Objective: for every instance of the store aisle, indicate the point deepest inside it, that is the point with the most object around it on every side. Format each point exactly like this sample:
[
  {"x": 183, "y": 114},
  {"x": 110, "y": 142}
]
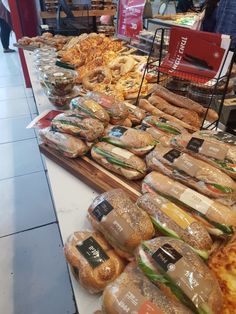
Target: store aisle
[{"x": 33, "y": 271}]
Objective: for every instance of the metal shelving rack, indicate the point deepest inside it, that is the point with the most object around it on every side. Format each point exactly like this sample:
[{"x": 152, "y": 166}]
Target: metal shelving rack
[{"x": 155, "y": 59}]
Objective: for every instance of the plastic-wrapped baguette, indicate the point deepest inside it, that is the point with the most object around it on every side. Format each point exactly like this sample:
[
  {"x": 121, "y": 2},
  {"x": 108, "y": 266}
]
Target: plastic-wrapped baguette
[
  {"x": 161, "y": 129},
  {"x": 136, "y": 114},
  {"x": 132, "y": 292},
  {"x": 79, "y": 125},
  {"x": 219, "y": 219},
  {"x": 90, "y": 108},
  {"x": 217, "y": 153},
  {"x": 67, "y": 144},
  {"x": 137, "y": 141},
  {"x": 116, "y": 109},
  {"x": 217, "y": 136},
  {"x": 93, "y": 262},
  {"x": 173, "y": 266},
  {"x": 119, "y": 160},
  {"x": 121, "y": 222},
  {"x": 172, "y": 221},
  {"x": 193, "y": 172}
]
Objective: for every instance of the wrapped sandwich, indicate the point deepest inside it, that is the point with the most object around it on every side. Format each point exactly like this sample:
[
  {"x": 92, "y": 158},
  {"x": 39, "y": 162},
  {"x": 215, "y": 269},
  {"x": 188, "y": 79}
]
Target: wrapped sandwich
[
  {"x": 93, "y": 262},
  {"x": 67, "y": 144},
  {"x": 172, "y": 221},
  {"x": 122, "y": 223},
  {"x": 90, "y": 108},
  {"x": 161, "y": 129},
  {"x": 137, "y": 141},
  {"x": 217, "y": 153},
  {"x": 119, "y": 160},
  {"x": 217, "y": 136},
  {"x": 218, "y": 218},
  {"x": 173, "y": 266},
  {"x": 195, "y": 173},
  {"x": 116, "y": 110},
  {"x": 77, "y": 124},
  {"x": 136, "y": 114},
  {"x": 133, "y": 293}
]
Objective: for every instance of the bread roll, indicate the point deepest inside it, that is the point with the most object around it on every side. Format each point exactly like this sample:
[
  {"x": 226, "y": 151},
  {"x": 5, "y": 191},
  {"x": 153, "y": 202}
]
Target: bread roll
[{"x": 93, "y": 262}]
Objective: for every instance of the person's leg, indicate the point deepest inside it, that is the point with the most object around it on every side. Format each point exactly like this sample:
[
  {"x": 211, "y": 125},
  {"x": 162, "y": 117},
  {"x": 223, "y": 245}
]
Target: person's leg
[{"x": 5, "y": 35}]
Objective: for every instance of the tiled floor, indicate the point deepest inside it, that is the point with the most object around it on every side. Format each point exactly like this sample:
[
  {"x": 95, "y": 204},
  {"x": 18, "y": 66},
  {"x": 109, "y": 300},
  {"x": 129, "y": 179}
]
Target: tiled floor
[{"x": 33, "y": 272}]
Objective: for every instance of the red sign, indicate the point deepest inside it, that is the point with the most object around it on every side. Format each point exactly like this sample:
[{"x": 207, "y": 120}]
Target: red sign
[
  {"x": 197, "y": 56},
  {"x": 130, "y": 21}
]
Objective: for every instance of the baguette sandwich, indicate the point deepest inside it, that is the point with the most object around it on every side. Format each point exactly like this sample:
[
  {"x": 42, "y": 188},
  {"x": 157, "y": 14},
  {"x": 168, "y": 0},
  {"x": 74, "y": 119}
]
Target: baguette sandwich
[
  {"x": 137, "y": 141},
  {"x": 76, "y": 124},
  {"x": 218, "y": 218},
  {"x": 133, "y": 293},
  {"x": 90, "y": 108},
  {"x": 116, "y": 110},
  {"x": 172, "y": 221},
  {"x": 136, "y": 114},
  {"x": 173, "y": 266},
  {"x": 193, "y": 172},
  {"x": 217, "y": 153},
  {"x": 121, "y": 222},
  {"x": 67, "y": 144},
  {"x": 119, "y": 160},
  {"x": 93, "y": 262}
]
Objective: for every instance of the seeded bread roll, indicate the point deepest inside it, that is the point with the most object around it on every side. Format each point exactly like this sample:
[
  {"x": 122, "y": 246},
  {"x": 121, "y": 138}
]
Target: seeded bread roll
[
  {"x": 173, "y": 266},
  {"x": 122, "y": 223},
  {"x": 171, "y": 220},
  {"x": 93, "y": 262},
  {"x": 132, "y": 292}
]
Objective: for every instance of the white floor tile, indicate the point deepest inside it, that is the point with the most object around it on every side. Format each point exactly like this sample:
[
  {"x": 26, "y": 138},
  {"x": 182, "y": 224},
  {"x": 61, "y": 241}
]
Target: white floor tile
[
  {"x": 12, "y": 92},
  {"x": 14, "y": 129},
  {"x": 6, "y": 81},
  {"x": 25, "y": 203},
  {"x": 13, "y": 108},
  {"x": 19, "y": 158},
  {"x": 34, "y": 277}
]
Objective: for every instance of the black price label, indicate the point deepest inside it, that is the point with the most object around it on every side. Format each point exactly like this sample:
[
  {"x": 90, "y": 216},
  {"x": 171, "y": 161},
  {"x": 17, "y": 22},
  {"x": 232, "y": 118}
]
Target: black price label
[
  {"x": 172, "y": 155},
  {"x": 92, "y": 252},
  {"x": 194, "y": 144},
  {"x": 164, "y": 120},
  {"x": 166, "y": 257},
  {"x": 102, "y": 209},
  {"x": 118, "y": 131}
]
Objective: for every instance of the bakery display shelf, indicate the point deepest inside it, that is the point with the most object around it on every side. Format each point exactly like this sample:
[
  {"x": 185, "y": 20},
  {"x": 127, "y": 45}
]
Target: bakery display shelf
[
  {"x": 92, "y": 174},
  {"x": 157, "y": 57},
  {"x": 79, "y": 13}
]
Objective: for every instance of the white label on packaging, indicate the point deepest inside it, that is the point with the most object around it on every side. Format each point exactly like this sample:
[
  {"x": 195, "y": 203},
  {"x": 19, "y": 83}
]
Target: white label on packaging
[
  {"x": 197, "y": 201},
  {"x": 122, "y": 152},
  {"x": 58, "y": 74},
  {"x": 130, "y": 105}
]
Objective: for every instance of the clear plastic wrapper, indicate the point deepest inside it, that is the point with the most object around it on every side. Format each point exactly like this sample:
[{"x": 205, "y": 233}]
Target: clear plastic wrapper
[
  {"x": 44, "y": 61},
  {"x": 218, "y": 136},
  {"x": 117, "y": 110},
  {"x": 132, "y": 293},
  {"x": 122, "y": 223},
  {"x": 193, "y": 172},
  {"x": 172, "y": 221},
  {"x": 76, "y": 124},
  {"x": 137, "y": 141},
  {"x": 67, "y": 144},
  {"x": 60, "y": 81},
  {"x": 173, "y": 266},
  {"x": 119, "y": 160},
  {"x": 93, "y": 262},
  {"x": 91, "y": 108},
  {"x": 45, "y": 52},
  {"x": 136, "y": 114},
  {"x": 216, "y": 152},
  {"x": 216, "y": 216},
  {"x": 63, "y": 102}
]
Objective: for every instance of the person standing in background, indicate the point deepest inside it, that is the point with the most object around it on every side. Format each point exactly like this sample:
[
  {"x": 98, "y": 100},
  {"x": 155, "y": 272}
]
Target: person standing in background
[
  {"x": 209, "y": 20},
  {"x": 226, "y": 19},
  {"x": 183, "y": 6},
  {"x": 5, "y": 25}
]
